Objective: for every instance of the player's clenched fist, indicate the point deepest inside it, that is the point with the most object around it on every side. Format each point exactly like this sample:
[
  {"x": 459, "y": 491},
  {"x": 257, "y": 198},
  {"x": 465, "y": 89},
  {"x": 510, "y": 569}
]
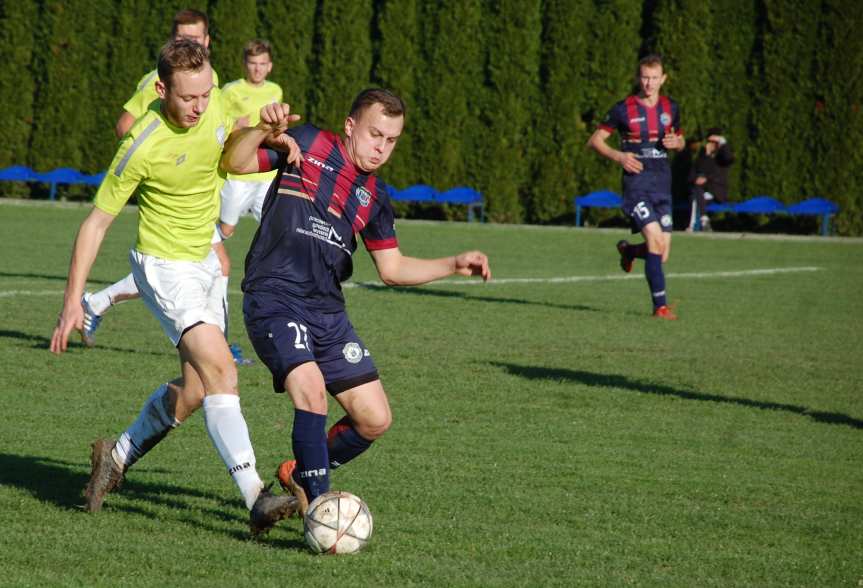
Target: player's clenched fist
[{"x": 276, "y": 117}]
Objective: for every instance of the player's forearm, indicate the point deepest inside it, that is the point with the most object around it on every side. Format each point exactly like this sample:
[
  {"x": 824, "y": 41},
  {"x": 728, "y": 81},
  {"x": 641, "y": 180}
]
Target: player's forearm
[
  {"x": 241, "y": 152},
  {"x": 84, "y": 253},
  {"x": 600, "y": 146},
  {"x": 412, "y": 271}
]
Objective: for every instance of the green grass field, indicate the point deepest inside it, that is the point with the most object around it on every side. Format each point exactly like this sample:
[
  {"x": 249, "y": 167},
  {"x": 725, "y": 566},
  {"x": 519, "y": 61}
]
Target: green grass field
[{"x": 547, "y": 431}]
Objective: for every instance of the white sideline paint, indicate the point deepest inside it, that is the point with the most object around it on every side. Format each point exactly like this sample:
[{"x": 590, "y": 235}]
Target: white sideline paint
[
  {"x": 607, "y": 278},
  {"x": 497, "y": 281}
]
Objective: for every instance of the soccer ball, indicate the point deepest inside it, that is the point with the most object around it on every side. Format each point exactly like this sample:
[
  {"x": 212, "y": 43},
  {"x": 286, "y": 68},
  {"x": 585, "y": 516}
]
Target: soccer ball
[{"x": 337, "y": 522}]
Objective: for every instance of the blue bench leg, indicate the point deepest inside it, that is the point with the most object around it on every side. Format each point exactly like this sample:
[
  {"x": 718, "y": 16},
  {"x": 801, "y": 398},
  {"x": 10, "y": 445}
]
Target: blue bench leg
[{"x": 577, "y": 215}]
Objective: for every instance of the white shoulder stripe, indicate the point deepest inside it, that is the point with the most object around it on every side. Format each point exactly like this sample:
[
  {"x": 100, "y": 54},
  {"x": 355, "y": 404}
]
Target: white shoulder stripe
[{"x": 137, "y": 143}]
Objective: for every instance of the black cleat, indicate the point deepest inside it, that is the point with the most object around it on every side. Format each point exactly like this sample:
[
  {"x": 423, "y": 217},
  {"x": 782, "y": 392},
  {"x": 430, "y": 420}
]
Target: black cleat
[
  {"x": 269, "y": 509},
  {"x": 105, "y": 474}
]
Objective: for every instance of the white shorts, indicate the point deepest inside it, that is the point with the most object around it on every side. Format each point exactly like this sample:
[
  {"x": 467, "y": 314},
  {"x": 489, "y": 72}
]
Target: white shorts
[
  {"x": 240, "y": 197},
  {"x": 180, "y": 294}
]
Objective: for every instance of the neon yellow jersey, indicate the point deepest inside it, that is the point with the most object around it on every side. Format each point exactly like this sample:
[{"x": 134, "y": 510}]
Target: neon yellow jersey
[
  {"x": 244, "y": 99},
  {"x": 175, "y": 174},
  {"x": 145, "y": 93}
]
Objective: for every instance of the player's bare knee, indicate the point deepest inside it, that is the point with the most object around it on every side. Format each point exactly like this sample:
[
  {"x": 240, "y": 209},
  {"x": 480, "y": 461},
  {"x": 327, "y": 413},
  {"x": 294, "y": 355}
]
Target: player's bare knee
[
  {"x": 655, "y": 244},
  {"x": 220, "y": 378},
  {"x": 373, "y": 426},
  {"x": 375, "y": 431},
  {"x": 307, "y": 391}
]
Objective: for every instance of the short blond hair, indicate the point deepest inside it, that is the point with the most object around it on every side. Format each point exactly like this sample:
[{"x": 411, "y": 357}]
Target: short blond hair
[
  {"x": 181, "y": 55},
  {"x": 652, "y": 60},
  {"x": 257, "y": 47}
]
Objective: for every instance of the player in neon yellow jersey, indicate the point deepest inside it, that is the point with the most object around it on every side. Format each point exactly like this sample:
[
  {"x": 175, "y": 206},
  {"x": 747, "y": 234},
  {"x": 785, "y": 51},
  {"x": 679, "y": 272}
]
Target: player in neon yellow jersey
[
  {"x": 170, "y": 159},
  {"x": 188, "y": 24},
  {"x": 243, "y": 99}
]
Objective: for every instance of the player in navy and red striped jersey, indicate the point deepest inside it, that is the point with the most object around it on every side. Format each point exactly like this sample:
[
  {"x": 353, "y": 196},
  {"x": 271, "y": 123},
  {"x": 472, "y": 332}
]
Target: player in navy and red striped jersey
[
  {"x": 324, "y": 199},
  {"x": 649, "y": 127}
]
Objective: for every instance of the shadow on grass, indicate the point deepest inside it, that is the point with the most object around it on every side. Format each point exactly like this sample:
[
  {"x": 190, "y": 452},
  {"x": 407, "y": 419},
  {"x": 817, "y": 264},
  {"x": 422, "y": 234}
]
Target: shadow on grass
[
  {"x": 62, "y": 483},
  {"x": 419, "y": 291},
  {"x": 58, "y": 277},
  {"x": 615, "y": 381},
  {"x": 42, "y": 342}
]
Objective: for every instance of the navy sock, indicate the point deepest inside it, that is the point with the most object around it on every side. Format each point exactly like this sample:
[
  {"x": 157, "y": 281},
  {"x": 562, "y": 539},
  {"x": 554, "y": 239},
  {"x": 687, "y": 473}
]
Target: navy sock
[
  {"x": 655, "y": 278},
  {"x": 345, "y": 443},
  {"x": 638, "y": 251},
  {"x": 310, "y": 449}
]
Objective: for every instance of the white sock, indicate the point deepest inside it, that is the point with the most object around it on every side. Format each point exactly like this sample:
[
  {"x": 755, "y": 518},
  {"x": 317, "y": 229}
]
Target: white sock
[
  {"x": 103, "y": 299},
  {"x": 230, "y": 436},
  {"x": 154, "y": 422}
]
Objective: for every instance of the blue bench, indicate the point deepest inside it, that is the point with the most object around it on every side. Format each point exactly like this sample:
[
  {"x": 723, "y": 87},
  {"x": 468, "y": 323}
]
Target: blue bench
[
  {"x": 597, "y": 199},
  {"x": 757, "y": 205},
  {"x": 427, "y": 194},
  {"x": 61, "y": 175},
  {"x": 768, "y": 205}
]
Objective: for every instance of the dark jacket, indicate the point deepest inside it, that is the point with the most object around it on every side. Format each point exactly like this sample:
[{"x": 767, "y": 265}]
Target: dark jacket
[{"x": 715, "y": 169}]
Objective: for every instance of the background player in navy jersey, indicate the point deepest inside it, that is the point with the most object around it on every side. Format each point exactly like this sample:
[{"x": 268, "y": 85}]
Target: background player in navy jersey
[
  {"x": 649, "y": 126},
  {"x": 293, "y": 305}
]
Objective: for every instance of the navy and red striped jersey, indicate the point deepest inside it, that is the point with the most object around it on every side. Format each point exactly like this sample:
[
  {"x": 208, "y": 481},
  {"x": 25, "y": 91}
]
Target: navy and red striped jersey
[
  {"x": 310, "y": 221},
  {"x": 641, "y": 129}
]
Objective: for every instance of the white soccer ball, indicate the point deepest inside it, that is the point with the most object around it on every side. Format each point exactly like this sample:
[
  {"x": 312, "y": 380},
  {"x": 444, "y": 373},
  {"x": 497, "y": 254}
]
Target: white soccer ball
[{"x": 337, "y": 522}]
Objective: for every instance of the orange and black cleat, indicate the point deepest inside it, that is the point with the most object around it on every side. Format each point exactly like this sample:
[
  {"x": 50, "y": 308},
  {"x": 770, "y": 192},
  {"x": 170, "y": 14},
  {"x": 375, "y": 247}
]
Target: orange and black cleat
[
  {"x": 285, "y": 474},
  {"x": 663, "y": 312},
  {"x": 625, "y": 258}
]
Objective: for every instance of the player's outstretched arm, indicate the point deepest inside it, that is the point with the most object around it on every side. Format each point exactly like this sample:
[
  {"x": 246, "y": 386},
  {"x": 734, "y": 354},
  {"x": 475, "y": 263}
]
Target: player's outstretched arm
[
  {"x": 241, "y": 151},
  {"x": 84, "y": 252},
  {"x": 396, "y": 269}
]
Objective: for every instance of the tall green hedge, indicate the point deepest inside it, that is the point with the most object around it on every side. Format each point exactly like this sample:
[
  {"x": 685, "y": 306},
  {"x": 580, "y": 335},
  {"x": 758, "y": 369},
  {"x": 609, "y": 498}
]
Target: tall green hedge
[
  {"x": 289, "y": 28},
  {"x": 446, "y": 127},
  {"x": 838, "y": 113},
  {"x": 560, "y": 129},
  {"x": 732, "y": 42},
  {"x": 513, "y": 29},
  {"x": 343, "y": 58},
  {"x": 502, "y": 95},
  {"x": 397, "y": 52},
  {"x": 17, "y": 86},
  {"x": 232, "y": 24},
  {"x": 780, "y": 161}
]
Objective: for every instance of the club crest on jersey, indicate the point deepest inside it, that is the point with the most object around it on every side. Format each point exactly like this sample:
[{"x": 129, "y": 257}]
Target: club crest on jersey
[
  {"x": 665, "y": 119},
  {"x": 363, "y": 195},
  {"x": 665, "y": 220},
  {"x": 220, "y": 134},
  {"x": 353, "y": 352}
]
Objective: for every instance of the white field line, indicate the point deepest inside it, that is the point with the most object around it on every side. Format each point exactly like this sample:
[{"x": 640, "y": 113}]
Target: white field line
[
  {"x": 606, "y": 278},
  {"x": 502, "y": 281}
]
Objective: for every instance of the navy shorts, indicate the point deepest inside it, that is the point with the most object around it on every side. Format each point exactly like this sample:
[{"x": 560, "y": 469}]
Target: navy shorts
[
  {"x": 286, "y": 334},
  {"x": 644, "y": 208}
]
